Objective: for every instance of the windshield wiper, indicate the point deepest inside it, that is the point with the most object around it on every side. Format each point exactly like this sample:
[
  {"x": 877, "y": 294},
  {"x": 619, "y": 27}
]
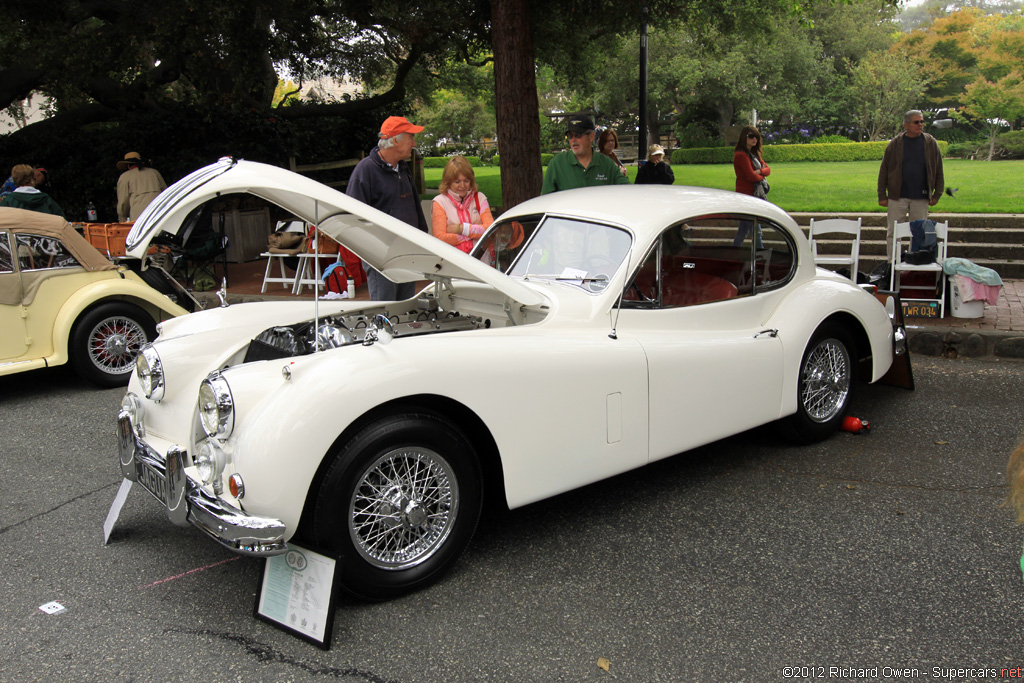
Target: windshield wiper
[{"x": 581, "y": 278}]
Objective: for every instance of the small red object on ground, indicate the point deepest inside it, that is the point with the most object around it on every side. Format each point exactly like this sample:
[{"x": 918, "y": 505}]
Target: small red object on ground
[{"x": 855, "y": 425}]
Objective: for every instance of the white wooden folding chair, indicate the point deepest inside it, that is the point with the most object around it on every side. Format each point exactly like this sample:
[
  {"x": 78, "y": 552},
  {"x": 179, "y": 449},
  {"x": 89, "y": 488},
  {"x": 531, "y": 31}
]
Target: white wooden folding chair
[
  {"x": 279, "y": 255},
  {"x": 846, "y": 226},
  {"x": 900, "y": 232}
]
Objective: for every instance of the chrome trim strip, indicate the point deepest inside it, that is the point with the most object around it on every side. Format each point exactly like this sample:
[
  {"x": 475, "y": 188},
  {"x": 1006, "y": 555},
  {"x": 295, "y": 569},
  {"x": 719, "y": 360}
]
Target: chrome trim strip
[{"x": 187, "y": 503}]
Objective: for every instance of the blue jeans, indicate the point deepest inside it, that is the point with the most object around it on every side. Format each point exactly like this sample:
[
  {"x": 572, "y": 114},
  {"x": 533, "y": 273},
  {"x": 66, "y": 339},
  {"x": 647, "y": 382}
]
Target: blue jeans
[{"x": 743, "y": 231}]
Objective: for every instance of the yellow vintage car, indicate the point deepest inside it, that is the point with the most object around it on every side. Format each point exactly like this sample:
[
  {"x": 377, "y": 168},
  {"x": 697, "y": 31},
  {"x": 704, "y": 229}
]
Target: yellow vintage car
[{"x": 61, "y": 300}]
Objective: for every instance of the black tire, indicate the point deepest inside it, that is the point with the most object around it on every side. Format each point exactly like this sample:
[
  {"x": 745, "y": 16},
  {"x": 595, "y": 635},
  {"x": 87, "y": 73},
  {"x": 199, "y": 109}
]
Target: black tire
[
  {"x": 825, "y": 385},
  {"x": 105, "y": 341},
  {"x": 391, "y": 533}
]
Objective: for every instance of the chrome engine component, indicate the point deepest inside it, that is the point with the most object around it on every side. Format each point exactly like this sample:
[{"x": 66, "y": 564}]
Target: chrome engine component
[{"x": 345, "y": 330}]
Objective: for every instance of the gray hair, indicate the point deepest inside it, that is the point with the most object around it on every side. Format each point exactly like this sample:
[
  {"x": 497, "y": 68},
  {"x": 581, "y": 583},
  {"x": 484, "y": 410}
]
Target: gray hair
[
  {"x": 912, "y": 113},
  {"x": 386, "y": 143}
]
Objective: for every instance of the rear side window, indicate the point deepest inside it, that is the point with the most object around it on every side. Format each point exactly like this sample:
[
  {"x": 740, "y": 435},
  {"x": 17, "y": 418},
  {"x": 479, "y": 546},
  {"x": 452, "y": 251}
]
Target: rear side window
[
  {"x": 39, "y": 252},
  {"x": 6, "y": 261},
  {"x": 709, "y": 259}
]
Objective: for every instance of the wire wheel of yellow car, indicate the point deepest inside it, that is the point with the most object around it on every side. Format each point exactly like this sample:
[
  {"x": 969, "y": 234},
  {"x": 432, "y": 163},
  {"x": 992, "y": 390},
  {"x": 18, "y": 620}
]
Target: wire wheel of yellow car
[
  {"x": 825, "y": 386},
  {"x": 106, "y": 340},
  {"x": 398, "y": 504}
]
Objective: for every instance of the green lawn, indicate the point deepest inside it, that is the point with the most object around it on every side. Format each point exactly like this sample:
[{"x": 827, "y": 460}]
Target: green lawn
[{"x": 984, "y": 186}]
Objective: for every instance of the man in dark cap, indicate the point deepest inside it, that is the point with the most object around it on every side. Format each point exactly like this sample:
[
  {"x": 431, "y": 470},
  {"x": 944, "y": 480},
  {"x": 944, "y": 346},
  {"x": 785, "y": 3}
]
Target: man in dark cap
[
  {"x": 578, "y": 166},
  {"x": 384, "y": 181}
]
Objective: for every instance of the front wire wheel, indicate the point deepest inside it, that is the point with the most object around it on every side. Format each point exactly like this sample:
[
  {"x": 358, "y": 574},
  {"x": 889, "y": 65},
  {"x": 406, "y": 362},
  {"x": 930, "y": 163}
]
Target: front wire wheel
[
  {"x": 403, "y": 508},
  {"x": 825, "y": 385},
  {"x": 398, "y": 504}
]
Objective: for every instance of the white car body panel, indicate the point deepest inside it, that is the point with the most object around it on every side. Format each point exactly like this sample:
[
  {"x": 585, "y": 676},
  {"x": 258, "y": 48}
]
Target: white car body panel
[{"x": 570, "y": 385}]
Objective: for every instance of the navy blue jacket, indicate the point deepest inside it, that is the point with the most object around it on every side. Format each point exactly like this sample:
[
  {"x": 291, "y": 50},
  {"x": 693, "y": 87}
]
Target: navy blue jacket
[{"x": 376, "y": 183}]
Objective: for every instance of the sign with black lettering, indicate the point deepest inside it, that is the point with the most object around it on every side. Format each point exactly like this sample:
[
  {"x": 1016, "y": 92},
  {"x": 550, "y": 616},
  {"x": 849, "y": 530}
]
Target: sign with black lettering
[{"x": 297, "y": 594}]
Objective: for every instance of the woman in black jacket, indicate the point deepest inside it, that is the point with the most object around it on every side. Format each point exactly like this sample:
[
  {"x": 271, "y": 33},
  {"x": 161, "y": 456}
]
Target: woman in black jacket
[{"x": 655, "y": 171}]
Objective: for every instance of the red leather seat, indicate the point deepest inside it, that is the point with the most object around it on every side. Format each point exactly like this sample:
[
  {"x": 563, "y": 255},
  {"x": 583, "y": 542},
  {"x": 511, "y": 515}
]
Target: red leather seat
[{"x": 687, "y": 288}]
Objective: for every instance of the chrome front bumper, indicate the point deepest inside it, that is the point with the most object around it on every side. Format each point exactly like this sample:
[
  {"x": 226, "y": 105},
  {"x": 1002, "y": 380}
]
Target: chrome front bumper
[{"x": 187, "y": 503}]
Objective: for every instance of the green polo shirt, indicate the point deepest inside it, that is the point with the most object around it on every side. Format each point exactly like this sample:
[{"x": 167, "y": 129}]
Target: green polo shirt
[{"x": 566, "y": 173}]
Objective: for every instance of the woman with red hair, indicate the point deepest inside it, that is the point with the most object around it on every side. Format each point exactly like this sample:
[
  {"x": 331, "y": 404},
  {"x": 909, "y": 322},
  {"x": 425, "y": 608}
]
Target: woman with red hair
[{"x": 460, "y": 214}]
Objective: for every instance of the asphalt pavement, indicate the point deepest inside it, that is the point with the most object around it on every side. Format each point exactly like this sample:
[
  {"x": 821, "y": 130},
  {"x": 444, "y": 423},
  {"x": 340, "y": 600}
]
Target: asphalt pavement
[{"x": 746, "y": 560}]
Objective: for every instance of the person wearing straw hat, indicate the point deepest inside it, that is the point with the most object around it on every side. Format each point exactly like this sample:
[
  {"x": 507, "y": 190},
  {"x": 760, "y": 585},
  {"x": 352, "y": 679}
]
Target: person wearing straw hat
[
  {"x": 137, "y": 187},
  {"x": 655, "y": 170}
]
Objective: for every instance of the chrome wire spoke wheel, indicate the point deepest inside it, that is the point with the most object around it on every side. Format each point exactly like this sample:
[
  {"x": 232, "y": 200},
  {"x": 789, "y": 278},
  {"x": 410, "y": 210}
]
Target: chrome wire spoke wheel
[
  {"x": 825, "y": 380},
  {"x": 403, "y": 508},
  {"x": 114, "y": 343}
]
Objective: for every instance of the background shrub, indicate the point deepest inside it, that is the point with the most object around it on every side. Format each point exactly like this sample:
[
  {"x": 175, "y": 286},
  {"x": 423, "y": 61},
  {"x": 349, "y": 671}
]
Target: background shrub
[
  {"x": 544, "y": 159},
  {"x": 831, "y": 152},
  {"x": 832, "y": 140},
  {"x": 441, "y": 162},
  {"x": 1011, "y": 144}
]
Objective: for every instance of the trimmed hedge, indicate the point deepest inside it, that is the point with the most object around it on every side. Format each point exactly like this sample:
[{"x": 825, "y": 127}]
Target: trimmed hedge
[
  {"x": 441, "y": 162},
  {"x": 855, "y": 151},
  {"x": 544, "y": 159}
]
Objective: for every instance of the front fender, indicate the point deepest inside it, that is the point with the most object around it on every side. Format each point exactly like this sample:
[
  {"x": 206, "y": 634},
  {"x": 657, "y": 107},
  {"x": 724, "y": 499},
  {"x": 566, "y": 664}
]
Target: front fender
[{"x": 129, "y": 289}]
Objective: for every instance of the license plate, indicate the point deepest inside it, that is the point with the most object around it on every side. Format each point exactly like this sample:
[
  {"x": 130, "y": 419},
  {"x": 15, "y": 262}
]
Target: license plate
[
  {"x": 152, "y": 481},
  {"x": 921, "y": 309}
]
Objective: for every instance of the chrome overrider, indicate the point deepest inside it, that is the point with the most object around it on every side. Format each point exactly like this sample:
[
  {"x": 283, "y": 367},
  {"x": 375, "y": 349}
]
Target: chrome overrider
[{"x": 187, "y": 503}]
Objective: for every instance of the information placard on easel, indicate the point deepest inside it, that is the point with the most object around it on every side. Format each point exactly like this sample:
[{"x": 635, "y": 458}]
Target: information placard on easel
[{"x": 297, "y": 594}]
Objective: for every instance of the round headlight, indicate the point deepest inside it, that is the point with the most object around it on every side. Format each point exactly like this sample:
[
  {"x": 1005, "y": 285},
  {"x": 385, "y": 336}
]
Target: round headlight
[
  {"x": 150, "y": 372},
  {"x": 209, "y": 462},
  {"x": 216, "y": 407}
]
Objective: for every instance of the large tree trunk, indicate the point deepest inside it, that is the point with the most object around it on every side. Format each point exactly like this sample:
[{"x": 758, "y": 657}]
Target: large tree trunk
[{"x": 515, "y": 94}]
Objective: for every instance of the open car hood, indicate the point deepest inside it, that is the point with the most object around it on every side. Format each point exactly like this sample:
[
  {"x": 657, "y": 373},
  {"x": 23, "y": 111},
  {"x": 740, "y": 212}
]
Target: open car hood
[{"x": 396, "y": 249}]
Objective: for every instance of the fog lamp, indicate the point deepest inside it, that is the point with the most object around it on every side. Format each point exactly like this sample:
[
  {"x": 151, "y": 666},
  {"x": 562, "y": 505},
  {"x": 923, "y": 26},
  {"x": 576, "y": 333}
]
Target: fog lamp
[
  {"x": 209, "y": 462},
  {"x": 132, "y": 406}
]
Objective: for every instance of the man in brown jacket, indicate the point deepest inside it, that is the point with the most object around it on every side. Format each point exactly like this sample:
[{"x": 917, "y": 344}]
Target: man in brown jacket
[
  {"x": 910, "y": 178},
  {"x": 137, "y": 186}
]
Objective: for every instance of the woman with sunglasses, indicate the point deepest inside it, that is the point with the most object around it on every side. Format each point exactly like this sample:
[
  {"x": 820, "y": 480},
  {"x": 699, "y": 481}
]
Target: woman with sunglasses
[
  {"x": 751, "y": 172},
  {"x": 748, "y": 162}
]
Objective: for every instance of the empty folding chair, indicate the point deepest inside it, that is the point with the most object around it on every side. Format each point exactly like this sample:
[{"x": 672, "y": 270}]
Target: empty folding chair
[{"x": 846, "y": 259}]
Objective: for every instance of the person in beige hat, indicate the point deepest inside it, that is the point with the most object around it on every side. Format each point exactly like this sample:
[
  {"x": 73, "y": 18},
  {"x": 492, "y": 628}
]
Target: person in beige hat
[
  {"x": 655, "y": 171},
  {"x": 137, "y": 187}
]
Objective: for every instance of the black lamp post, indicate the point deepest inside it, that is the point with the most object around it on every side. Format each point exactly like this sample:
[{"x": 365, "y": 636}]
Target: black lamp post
[{"x": 641, "y": 151}]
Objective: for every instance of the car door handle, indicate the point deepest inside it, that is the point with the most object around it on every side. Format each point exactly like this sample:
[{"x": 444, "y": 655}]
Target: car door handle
[{"x": 770, "y": 333}]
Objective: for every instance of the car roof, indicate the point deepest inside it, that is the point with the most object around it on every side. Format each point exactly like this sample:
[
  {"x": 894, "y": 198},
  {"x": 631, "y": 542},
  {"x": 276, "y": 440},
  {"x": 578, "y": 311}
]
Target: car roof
[
  {"x": 648, "y": 208},
  {"x": 38, "y": 223}
]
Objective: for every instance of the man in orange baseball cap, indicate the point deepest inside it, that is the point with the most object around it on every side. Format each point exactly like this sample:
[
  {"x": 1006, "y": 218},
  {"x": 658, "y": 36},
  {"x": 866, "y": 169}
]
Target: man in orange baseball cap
[
  {"x": 384, "y": 181},
  {"x": 394, "y": 125}
]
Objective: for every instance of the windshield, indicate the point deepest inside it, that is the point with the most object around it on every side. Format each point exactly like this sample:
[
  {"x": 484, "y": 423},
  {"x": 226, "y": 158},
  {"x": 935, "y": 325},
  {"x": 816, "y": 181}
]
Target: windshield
[{"x": 564, "y": 249}]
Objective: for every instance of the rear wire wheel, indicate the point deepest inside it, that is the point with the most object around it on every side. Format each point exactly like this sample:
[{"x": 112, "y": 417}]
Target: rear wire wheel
[
  {"x": 825, "y": 385},
  {"x": 105, "y": 341}
]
